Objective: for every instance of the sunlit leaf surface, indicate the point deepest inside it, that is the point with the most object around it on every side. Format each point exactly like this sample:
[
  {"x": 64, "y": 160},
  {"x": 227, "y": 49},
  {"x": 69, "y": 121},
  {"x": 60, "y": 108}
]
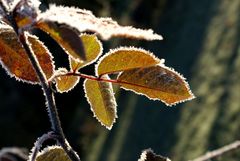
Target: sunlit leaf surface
[
  {"x": 93, "y": 49},
  {"x": 158, "y": 83},
  {"x": 101, "y": 98},
  {"x": 124, "y": 59}
]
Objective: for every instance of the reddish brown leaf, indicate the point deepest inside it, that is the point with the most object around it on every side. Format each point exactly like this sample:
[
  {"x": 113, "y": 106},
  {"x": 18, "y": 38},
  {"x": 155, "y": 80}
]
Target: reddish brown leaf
[
  {"x": 15, "y": 60},
  {"x": 158, "y": 83}
]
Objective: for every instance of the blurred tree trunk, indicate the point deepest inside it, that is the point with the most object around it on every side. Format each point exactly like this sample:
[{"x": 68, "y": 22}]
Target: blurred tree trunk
[{"x": 212, "y": 120}]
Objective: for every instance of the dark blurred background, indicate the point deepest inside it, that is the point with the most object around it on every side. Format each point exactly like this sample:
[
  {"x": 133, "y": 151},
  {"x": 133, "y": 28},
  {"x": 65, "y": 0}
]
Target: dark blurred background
[{"x": 202, "y": 41}]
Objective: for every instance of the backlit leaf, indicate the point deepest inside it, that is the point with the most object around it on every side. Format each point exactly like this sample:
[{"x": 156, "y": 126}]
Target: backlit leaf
[
  {"x": 158, "y": 83},
  {"x": 101, "y": 98},
  {"x": 124, "y": 59},
  {"x": 93, "y": 49},
  {"x": 15, "y": 60},
  {"x": 66, "y": 83},
  {"x": 84, "y": 20},
  {"x": 67, "y": 38},
  {"x": 53, "y": 153},
  {"x": 43, "y": 55},
  {"x": 149, "y": 155}
]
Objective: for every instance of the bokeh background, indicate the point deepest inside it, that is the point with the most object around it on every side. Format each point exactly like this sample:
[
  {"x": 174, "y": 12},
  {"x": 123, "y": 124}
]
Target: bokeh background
[{"x": 202, "y": 41}]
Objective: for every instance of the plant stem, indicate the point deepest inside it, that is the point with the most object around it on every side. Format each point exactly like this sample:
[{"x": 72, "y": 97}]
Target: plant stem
[
  {"x": 49, "y": 96},
  {"x": 48, "y": 93},
  {"x": 115, "y": 81},
  {"x": 39, "y": 142}
]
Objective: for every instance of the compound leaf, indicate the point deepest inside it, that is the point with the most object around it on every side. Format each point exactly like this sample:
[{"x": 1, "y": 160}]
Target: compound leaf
[
  {"x": 66, "y": 83},
  {"x": 53, "y": 153},
  {"x": 66, "y": 37},
  {"x": 93, "y": 49},
  {"x": 122, "y": 59},
  {"x": 101, "y": 98},
  {"x": 158, "y": 83},
  {"x": 84, "y": 20},
  {"x": 15, "y": 60},
  {"x": 149, "y": 155}
]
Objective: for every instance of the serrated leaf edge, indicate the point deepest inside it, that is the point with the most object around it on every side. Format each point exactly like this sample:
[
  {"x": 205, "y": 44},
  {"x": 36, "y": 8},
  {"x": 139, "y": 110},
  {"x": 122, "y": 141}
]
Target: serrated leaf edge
[
  {"x": 143, "y": 155},
  {"x": 12, "y": 75},
  {"x": 192, "y": 96},
  {"x": 62, "y": 71},
  {"x": 48, "y": 149},
  {"x": 53, "y": 8},
  {"x": 94, "y": 115},
  {"x": 6, "y": 68},
  {"x": 94, "y": 60},
  {"x": 130, "y": 48},
  {"x": 75, "y": 84},
  {"x": 28, "y": 35}
]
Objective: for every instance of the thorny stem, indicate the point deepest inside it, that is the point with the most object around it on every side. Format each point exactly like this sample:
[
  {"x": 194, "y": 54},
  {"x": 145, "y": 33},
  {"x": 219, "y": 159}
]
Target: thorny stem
[
  {"x": 39, "y": 142},
  {"x": 49, "y": 95}
]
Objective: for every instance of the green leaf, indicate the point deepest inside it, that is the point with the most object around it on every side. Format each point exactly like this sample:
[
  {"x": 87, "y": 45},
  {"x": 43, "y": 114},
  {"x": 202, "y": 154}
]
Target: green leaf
[
  {"x": 149, "y": 155},
  {"x": 93, "y": 49},
  {"x": 84, "y": 20},
  {"x": 101, "y": 98},
  {"x": 67, "y": 38},
  {"x": 125, "y": 58},
  {"x": 52, "y": 153},
  {"x": 158, "y": 83},
  {"x": 15, "y": 60}
]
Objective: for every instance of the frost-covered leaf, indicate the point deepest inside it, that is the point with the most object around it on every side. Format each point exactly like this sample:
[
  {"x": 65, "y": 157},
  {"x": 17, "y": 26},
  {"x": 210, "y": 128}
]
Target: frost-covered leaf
[
  {"x": 67, "y": 82},
  {"x": 149, "y": 155},
  {"x": 15, "y": 60},
  {"x": 43, "y": 55},
  {"x": 93, "y": 49},
  {"x": 157, "y": 83},
  {"x": 25, "y": 11},
  {"x": 67, "y": 38},
  {"x": 101, "y": 98},
  {"x": 53, "y": 153},
  {"x": 84, "y": 20},
  {"x": 122, "y": 59}
]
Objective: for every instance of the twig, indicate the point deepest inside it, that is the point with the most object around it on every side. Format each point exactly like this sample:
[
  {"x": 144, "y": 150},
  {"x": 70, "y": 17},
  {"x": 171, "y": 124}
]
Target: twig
[
  {"x": 49, "y": 96},
  {"x": 219, "y": 152},
  {"x": 39, "y": 142},
  {"x": 48, "y": 93}
]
